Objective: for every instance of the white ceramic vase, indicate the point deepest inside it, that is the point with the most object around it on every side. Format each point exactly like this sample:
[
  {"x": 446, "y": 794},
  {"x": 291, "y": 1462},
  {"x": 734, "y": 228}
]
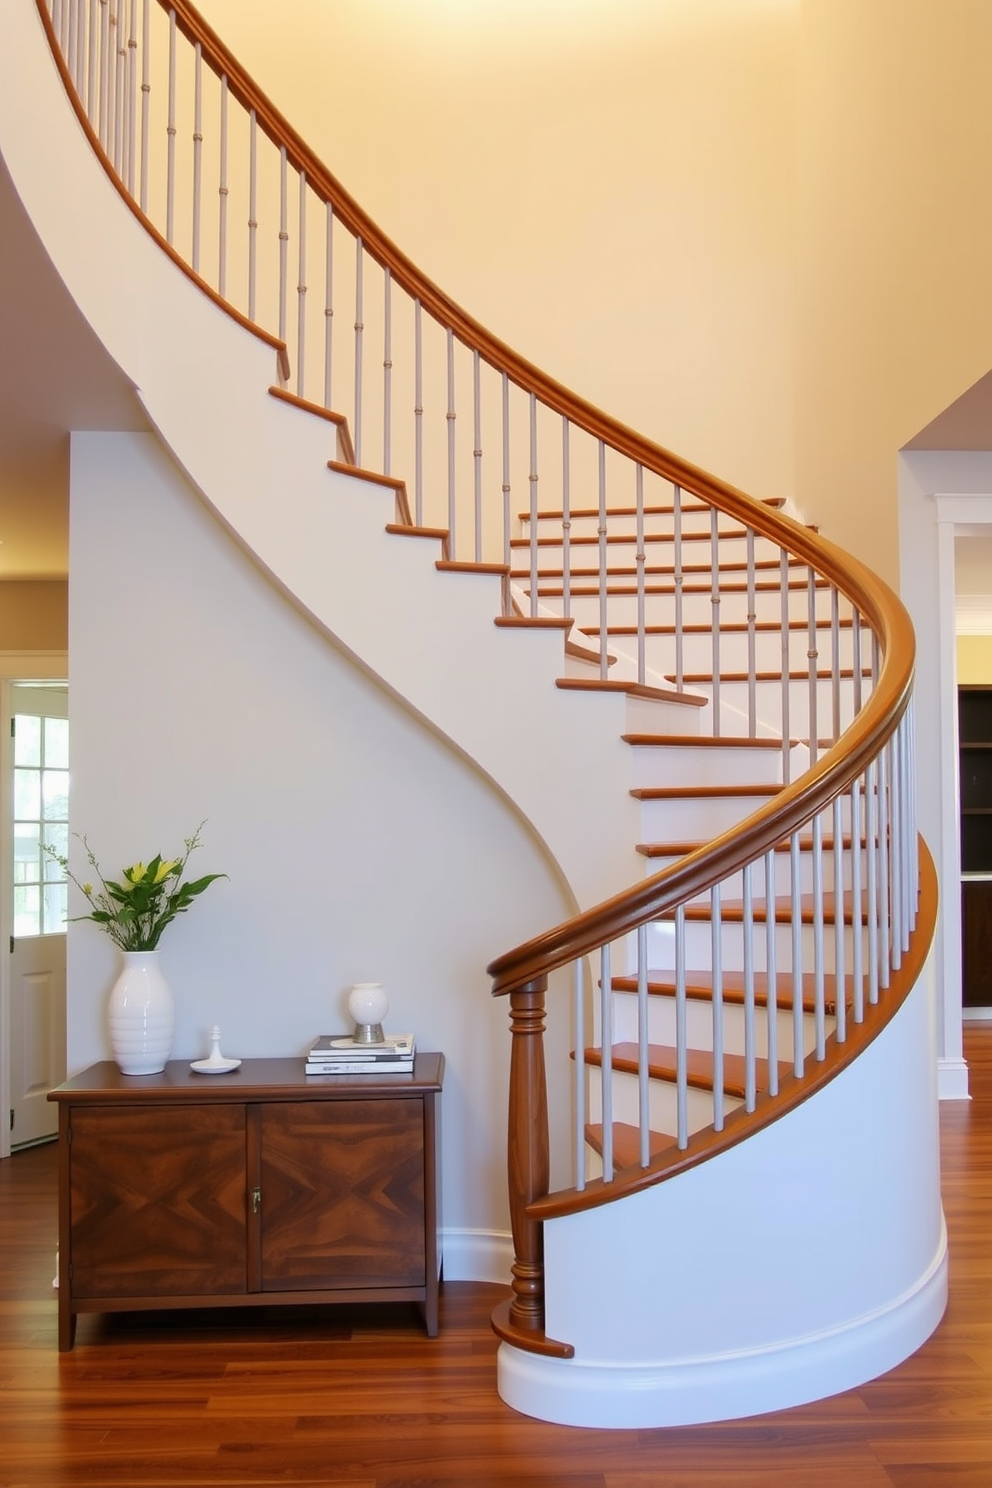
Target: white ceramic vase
[{"x": 142, "y": 1015}]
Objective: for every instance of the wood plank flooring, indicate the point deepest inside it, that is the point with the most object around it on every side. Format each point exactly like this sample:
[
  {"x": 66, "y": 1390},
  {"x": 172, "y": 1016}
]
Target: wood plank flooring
[{"x": 360, "y": 1398}]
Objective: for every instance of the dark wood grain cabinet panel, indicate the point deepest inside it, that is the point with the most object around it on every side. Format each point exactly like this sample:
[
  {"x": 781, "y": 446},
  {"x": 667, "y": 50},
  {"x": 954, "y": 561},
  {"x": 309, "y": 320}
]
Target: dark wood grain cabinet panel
[{"x": 177, "y": 1190}]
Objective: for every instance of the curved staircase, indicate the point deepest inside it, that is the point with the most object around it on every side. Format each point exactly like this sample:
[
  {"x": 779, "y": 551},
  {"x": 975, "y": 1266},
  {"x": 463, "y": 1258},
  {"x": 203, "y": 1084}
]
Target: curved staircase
[{"x": 739, "y": 993}]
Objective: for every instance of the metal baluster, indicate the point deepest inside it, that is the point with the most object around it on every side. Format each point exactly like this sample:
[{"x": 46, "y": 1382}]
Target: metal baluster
[
  {"x": 387, "y": 372},
  {"x": 678, "y": 584},
  {"x": 640, "y": 561},
  {"x": 359, "y": 340},
  {"x": 418, "y": 411},
  {"x": 252, "y": 211},
  {"x": 566, "y": 521},
  {"x": 840, "y": 970},
  {"x": 120, "y": 102},
  {"x": 69, "y": 51},
  {"x": 871, "y": 837},
  {"x": 898, "y": 903},
  {"x": 606, "y": 1069},
  {"x": 146, "y": 95},
  {"x": 93, "y": 64},
  {"x": 58, "y": 8},
  {"x": 222, "y": 194},
  {"x": 752, "y": 683},
  {"x": 856, "y": 659},
  {"x": 796, "y": 925},
  {"x": 835, "y": 660},
  {"x": 812, "y": 657},
  {"x": 532, "y": 508},
  {"x": 283, "y": 243},
  {"x": 477, "y": 449},
  {"x": 643, "y": 1095},
  {"x": 450, "y": 417},
  {"x": 579, "y": 1075},
  {"x": 301, "y": 289},
  {"x": 715, "y": 613},
  {"x": 104, "y": 89},
  {"x": 506, "y": 474},
  {"x": 170, "y": 196},
  {"x": 328, "y": 304},
  {"x": 857, "y": 907},
  {"x": 716, "y": 918},
  {"x": 681, "y": 1033},
  {"x": 750, "y": 1069},
  {"x": 771, "y": 973},
  {"x": 604, "y": 563},
  {"x": 132, "y": 96},
  {"x": 197, "y": 151},
  {"x": 786, "y": 659},
  {"x": 819, "y": 988},
  {"x": 884, "y": 882}
]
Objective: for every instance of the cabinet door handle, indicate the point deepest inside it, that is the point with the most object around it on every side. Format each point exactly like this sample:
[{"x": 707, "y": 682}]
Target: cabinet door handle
[{"x": 256, "y": 1200}]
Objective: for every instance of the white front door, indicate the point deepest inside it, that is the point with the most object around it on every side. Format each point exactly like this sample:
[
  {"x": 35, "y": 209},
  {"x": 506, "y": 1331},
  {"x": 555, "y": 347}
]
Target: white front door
[{"x": 40, "y": 760}]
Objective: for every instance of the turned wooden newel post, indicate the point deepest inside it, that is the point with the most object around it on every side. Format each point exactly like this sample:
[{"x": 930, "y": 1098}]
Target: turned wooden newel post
[{"x": 528, "y": 1161}]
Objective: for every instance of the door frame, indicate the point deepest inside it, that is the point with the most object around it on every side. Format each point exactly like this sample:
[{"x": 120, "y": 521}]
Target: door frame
[{"x": 15, "y": 667}]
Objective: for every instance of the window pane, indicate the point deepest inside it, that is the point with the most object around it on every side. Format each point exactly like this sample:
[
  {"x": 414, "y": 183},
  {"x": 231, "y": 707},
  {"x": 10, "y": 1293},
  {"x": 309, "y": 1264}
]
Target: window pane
[
  {"x": 27, "y": 795},
  {"x": 55, "y": 908},
  {"x": 57, "y": 743},
  {"x": 57, "y": 836},
  {"x": 26, "y": 866},
  {"x": 27, "y": 911},
  {"x": 27, "y": 739},
  {"x": 55, "y": 793}
]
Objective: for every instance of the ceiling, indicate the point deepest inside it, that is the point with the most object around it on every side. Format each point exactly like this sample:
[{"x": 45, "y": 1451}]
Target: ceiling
[{"x": 54, "y": 376}]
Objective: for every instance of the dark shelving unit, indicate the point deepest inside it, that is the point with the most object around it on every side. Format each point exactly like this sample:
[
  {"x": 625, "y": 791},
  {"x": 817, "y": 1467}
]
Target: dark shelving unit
[{"x": 975, "y": 772}]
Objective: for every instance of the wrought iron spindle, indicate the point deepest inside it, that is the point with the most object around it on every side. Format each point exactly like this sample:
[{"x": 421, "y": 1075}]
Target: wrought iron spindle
[
  {"x": 146, "y": 98},
  {"x": 750, "y": 1052},
  {"x": 643, "y": 1069},
  {"x": 477, "y": 450},
  {"x": 532, "y": 508},
  {"x": 328, "y": 304},
  {"x": 786, "y": 666},
  {"x": 252, "y": 211},
  {"x": 507, "y": 522},
  {"x": 197, "y": 152},
  {"x": 450, "y": 416},
  {"x": 606, "y": 1068},
  {"x": 840, "y": 969},
  {"x": 418, "y": 411},
  {"x": 857, "y": 907},
  {"x": 579, "y": 1074},
  {"x": 640, "y": 562},
  {"x": 796, "y": 926},
  {"x": 716, "y": 933},
  {"x": 387, "y": 371},
  {"x": 301, "y": 289},
  {"x": 604, "y": 564},
  {"x": 222, "y": 194},
  {"x": 681, "y": 1033},
  {"x": 678, "y": 585},
  {"x": 566, "y": 520},
  {"x": 170, "y": 170},
  {"x": 715, "y": 614},
  {"x": 771, "y": 974},
  {"x": 359, "y": 342},
  {"x": 872, "y": 908},
  {"x": 752, "y": 664},
  {"x": 283, "y": 242}
]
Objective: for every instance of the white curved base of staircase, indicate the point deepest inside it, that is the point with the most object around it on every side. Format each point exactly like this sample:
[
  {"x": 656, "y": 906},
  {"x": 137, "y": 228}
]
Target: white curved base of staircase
[{"x": 724, "y": 1387}]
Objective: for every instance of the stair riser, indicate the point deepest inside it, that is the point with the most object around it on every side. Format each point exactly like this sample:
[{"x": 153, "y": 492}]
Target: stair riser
[
  {"x": 694, "y": 818},
  {"x": 659, "y": 548},
  {"x": 697, "y": 651},
  {"x": 735, "y": 706},
  {"x": 661, "y": 947},
  {"x": 783, "y": 874},
  {"x": 697, "y": 608},
  {"x": 674, "y": 764},
  {"x": 662, "y": 1103},
  {"x": 699, "y": 1025},
  {"x": 694, "y": 520}
]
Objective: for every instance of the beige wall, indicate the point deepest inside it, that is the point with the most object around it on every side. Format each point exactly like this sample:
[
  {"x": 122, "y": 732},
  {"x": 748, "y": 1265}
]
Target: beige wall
[
  {"x": 759, "y": 230},
  {"x": 974, "y": 659},
  {"x": 34, "y": 615},
  {"x": 607, "y": 184}
]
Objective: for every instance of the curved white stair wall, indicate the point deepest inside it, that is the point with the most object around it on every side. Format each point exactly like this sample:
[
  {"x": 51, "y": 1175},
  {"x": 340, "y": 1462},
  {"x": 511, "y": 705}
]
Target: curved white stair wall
[
  {"x": 671, "y": 1325},
  {"x": 262, "y": 467}
]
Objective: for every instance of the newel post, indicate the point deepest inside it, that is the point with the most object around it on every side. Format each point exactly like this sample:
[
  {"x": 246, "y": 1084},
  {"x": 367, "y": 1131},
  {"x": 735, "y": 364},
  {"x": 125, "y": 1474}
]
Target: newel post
[{"x": 528, "y": 1161}]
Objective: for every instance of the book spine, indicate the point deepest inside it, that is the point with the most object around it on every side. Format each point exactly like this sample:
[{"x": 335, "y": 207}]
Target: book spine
[{"x": 363, "y": 1067}]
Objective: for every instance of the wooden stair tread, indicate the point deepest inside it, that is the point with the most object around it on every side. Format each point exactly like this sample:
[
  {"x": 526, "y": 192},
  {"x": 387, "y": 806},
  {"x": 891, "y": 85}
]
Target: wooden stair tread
[
  {"x": 762, "y": 586},
  {"x": 591, "y": 540},
  {"x": 456, "y": 565},
  {"x": 627, "y": 1143},
  {"x": 632, "y": 689},
  {"x": 662, "y": 1065},
  {"x": 825, "y": 674},
  {"x": 629, "y": 570},
  {"x": 699, "y": 987},
  {"x": 732, "y": 910},
  {"x": 702, "y": 741},
  {"x": 587, "y": 653},
  {"x": 736, "y": 627},
  {"x": 682, "y": 849},
  {"x": 534, "y": 622},
  {"x": 702, "y": 792}
]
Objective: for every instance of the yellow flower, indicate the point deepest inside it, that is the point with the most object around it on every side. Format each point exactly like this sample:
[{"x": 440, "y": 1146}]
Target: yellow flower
[
  {"x": 135, "y": 873},
  {"x": 87, "y": 889},
  {"x": 165, "y": 869}
]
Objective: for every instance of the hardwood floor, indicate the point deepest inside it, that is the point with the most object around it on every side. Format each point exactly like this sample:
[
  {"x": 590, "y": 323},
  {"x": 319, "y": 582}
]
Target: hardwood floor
[{"x": 360, "y": 1398}]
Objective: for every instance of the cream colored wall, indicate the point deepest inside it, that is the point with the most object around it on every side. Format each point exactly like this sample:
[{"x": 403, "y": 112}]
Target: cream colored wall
[
  {"x": 34, "y": 615},
  {"x": 974, "y": 659},
  {"x": 894, "y": 301},
  {"x": 608, "y": 185}
]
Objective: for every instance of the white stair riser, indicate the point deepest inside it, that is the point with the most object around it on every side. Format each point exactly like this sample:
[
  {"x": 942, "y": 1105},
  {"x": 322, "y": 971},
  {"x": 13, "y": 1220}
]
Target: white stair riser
[
  {"x": 699, "y": 1025},
  {"x": 735, "y": 706},
  {"x": 694, "y": 520},
  {"x": 676, "y": 764},
  {"x": 659, "y": 548},
  {"x": 694, "y": 818},
  {"x": 697, "y": 606},
  {"x": 698, "y": 941},
  {"x": 697, "y": 650},
  {"x": 782, "y": 878},
  {"x": 662, "y": 1103}
]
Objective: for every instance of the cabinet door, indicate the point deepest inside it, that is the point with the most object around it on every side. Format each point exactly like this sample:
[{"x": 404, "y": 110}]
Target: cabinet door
[
  {"x": 976, "y": 943},
  {"x": 157, "y": 1201},
  {"x": 342, "y": 1194}
]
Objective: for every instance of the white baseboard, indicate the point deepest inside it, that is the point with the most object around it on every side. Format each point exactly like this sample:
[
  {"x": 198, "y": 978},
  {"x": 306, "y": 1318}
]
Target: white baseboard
[
  {"x": 685, "y": 1392},
  {"x": 477, "y": 1255},
  {"x": 952, "y": 1080}
]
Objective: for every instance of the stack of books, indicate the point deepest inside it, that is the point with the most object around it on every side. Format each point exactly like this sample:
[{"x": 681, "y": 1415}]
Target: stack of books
[{"x": 338, "y": 1054}]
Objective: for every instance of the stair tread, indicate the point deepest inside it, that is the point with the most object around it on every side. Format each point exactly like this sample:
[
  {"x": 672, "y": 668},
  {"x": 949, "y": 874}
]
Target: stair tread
[
  {"x": 699, "y": 679},
  {"x": 628, "y": 570},
  {"x": 733, "y": 909},
  {"x": 699, "y": 987},
  {"x": 632, "y": 689},
  {"x": 408, "y": 529},
  {"x": 703, "y": 741},
  {"x": 627, "y": 1143},
  {"x": 762, "y": 586},
  {"x": 535, "y": 622},
  {"x": 458, "y": 565},
  {"x": 662, "y": 1065},
  {"x": 682, "y": 849},
  {"x": 704, "y": 792},
  {"x": 736, "y": 627},
  {"x": 693, "y": 504}
]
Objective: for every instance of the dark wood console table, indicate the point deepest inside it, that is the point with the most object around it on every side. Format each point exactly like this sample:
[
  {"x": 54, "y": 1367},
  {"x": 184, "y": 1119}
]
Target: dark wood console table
[{"x": 257, "y": 1187}]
